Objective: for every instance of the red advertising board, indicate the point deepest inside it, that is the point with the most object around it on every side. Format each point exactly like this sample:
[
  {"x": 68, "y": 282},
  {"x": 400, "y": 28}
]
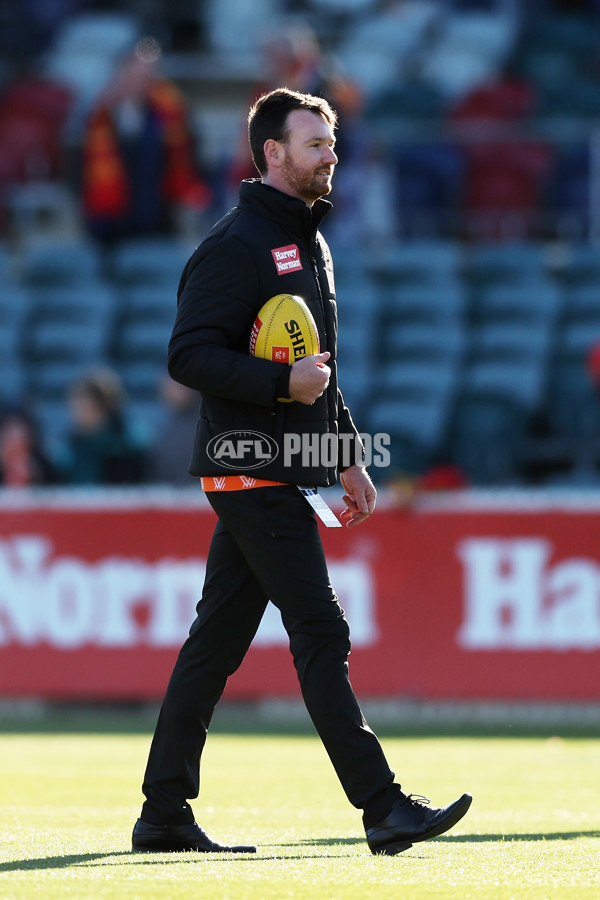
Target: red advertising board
[{"x": 468, "y": 597}]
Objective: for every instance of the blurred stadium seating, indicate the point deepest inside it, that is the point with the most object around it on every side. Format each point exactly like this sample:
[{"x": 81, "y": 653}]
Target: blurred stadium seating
[
  {"x": 468, "y": 312},
  {"x": 51, "y": 262},
  {"x": 146, "y": 262}
]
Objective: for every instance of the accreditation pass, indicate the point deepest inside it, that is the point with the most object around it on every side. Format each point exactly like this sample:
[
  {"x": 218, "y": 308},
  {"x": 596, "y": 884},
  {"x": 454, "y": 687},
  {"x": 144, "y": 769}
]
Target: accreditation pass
[{"x": 326, "y": 515}]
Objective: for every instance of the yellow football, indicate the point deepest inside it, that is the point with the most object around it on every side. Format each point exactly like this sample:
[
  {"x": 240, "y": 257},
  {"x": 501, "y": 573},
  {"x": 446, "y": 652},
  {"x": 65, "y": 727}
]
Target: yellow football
[{"x": 284, "y": 331}]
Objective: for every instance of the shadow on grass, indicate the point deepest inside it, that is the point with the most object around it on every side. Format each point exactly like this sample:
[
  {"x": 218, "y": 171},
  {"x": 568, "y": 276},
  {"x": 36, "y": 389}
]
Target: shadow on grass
[
  {"x": 81, "y": 859},
  {"x": 461, "y": 838},
  {"x": 521, "y": 836},
  {"x": 321, "y": 842},
  {"x": 57, "y": 862}
]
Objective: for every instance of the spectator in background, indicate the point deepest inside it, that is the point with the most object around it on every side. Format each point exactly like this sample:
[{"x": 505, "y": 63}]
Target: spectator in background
[
  {"x": 23, "y": 461},
  {"x": 102, "y": 447},
  {"x": 170, "y": 453},
  {"x": 138, "y": 159},
  {"x": 292, "y": 57}
]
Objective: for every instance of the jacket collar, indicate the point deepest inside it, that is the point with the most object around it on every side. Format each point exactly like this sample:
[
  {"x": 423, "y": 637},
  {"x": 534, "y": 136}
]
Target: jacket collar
[{"x": 283, "y": 208}]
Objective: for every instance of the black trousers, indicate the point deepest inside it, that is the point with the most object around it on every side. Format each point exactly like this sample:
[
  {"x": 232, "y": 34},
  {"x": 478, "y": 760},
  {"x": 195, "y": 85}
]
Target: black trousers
[{"x": 266, "y": 546}]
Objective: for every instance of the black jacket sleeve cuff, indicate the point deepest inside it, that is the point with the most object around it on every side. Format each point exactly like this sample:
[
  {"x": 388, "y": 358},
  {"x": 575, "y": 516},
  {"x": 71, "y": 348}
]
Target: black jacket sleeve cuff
[{"x": 282, "y": 385}]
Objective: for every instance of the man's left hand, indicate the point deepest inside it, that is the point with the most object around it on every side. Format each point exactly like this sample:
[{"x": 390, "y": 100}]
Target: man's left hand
[{"x": 360, "y": 496}]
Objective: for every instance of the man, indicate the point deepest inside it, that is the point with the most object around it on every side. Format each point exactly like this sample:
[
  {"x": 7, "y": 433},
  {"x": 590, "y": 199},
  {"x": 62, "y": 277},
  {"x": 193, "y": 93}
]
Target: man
[
  {"x": 138, "y": 164},
  {"x": 266, "y": 544}
]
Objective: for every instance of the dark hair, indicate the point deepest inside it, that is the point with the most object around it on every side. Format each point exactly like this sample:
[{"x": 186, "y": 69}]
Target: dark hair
[
  {"x": 267, "y": 119},
  {"x": 105, "y": 388}
]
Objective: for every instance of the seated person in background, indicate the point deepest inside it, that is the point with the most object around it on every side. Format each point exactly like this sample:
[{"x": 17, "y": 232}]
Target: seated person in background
[
  {"x": 138, "y": 160},
  {"x": 102, "y": 447},
  {"x": 170, "y": 453},
  {"x": 23, "y": 461}
]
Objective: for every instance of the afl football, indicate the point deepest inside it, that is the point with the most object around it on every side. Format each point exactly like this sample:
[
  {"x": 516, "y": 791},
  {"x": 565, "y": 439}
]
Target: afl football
[{"x": 284, "y": 331}]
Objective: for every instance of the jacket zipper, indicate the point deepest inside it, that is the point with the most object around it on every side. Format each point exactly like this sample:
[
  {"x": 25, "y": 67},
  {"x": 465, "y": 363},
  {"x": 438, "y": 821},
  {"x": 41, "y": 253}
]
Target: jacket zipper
[{"x": 316, "y": 274}]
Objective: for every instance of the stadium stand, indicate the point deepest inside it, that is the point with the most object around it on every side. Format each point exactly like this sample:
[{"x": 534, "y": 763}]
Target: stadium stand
[
  {"x": 412, "y": 402},
  {"x": 416, "y": 263},
  {"x": 568, "y": 191},
  {"x": 429, "y": 180},
  {"x": 487, "y": 441},
  {"x": 13, "y": 311},
  {"x": 509, "y": 362},
  {"x": 573, "y": 406},
  {"x": 505, "y": 263},
  {"x": 50, "y": 262},
  {"x": 149, "y": 261},
  {"x": 534, "y": 305},
  {"x": 469, "y": 277},
  {"x": 440, "y": 305}
]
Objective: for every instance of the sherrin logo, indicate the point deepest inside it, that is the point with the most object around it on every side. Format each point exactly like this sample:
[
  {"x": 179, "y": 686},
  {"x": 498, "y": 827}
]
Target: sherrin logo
[
  {"x": 242, "y": 449},
  {"x": 287, "y": 259}
]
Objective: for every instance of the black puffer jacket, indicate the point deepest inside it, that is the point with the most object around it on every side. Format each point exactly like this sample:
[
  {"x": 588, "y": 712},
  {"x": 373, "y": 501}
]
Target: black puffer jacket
[{"x": 224, "y": 284}]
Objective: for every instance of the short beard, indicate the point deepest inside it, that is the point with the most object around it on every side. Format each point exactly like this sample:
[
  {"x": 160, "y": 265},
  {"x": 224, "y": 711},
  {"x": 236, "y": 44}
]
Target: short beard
[{"x": 306, "y": 187}]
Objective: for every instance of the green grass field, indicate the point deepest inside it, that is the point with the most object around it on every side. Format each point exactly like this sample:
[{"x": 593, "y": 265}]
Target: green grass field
[{"x": 68, "y": 802}]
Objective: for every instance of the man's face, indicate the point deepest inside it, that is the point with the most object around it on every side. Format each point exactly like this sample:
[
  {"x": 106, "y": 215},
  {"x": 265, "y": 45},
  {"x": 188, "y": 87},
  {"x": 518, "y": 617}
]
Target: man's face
[{"x": 309, "y": 159}]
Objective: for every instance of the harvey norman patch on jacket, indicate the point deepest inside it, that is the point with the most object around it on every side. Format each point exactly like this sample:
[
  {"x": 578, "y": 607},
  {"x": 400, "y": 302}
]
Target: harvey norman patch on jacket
[{"x": 287, "y": 259}]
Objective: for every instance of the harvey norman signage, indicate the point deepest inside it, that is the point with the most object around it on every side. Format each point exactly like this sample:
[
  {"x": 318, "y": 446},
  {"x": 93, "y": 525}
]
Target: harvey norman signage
[
  {"x": 515, "y": 597},
  {"x": 459, "y": 597},
  {"x": 68, "y": 603}
]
